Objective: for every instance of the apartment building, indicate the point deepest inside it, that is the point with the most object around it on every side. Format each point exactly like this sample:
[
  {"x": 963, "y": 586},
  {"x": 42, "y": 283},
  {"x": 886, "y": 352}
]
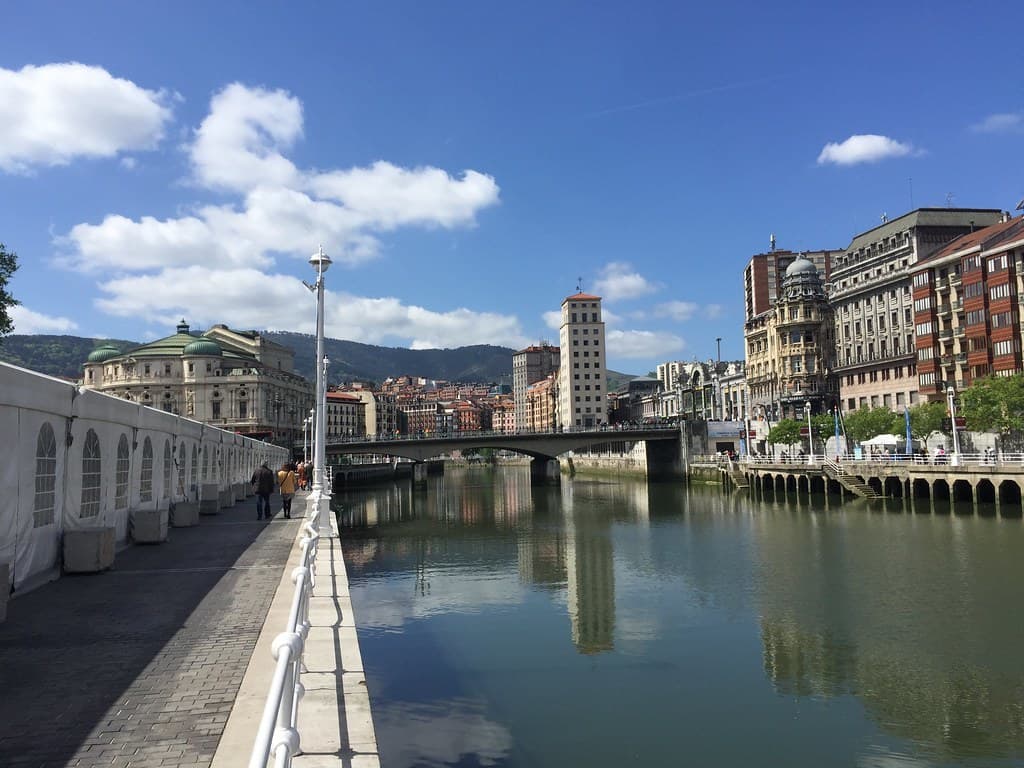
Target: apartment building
[
  {"x": 541, "y": 406},
  {"x": 530, "y": 365},
  {"x": 872, "y": 302},
  {"x": 967, "y": 317},
  {"x": 582, "y": 382}
]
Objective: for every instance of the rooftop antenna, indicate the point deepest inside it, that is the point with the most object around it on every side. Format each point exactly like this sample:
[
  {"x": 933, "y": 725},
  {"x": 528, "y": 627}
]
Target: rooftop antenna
[
  {"x": 885, "y": 217},
  {"x": 579, "y": 285},
  {"x": 1020, "y": 205},
  {"x": 771, "y": 240},
  {"x": 949, "y": 199}
]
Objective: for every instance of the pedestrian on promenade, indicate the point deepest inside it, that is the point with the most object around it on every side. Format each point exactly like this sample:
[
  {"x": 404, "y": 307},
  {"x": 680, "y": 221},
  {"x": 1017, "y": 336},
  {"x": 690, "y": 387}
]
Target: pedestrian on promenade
[
  {"x": 286, "y": 483},
  {"x": 302, "y": 475},
  {"x": 263, "y": 484}
]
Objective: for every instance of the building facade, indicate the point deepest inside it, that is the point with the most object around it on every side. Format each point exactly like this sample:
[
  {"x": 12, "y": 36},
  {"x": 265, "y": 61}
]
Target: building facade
[
  {"x": 872, "y": 301},
  {"x": 791, "y": 350},
  {"x": 541, "y": 406},
  {"x": 582, "y": 381},
  {"x": 346, "y": 416},
  {"x": 764, "y": 273},
  {"x": 528, "y": 366},
  {"x": 967, "y": 319},
  {"x": 236, "y": 380}
]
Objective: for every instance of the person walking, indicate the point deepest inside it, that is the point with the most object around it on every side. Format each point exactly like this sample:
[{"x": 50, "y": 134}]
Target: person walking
[
  {"x": 263, "y": 484},
  {"x": 286, "y": 483},
  {"x": 302, "y": 475}
]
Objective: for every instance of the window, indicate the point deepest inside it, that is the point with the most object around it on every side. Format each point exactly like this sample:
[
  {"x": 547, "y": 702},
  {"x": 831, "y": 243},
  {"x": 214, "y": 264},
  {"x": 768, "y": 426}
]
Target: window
[
  {"x": 972, "y": 263},
  {"x": 573, "y": 318},
  {"x": 999, "y": 291},
  {"x": 976, "y": 317},
  {"x": 973, "y": 290},
  {"x": 925, "y": 353},
  {"x": 46, "y": 477},
  {"x": 146, "y": 478},
  {"x": 922, "y": 279},
  {"x": 1001, "y": 348},
  {"x": 121, "y": 474},
  {"x": 167, "y": 469},
  {"x": 593, "y": 317},
  {"x": 795, "y": 364},
  {"x": 1002, "y": 319},
  {"x": 90, "y": 506},
  {"x": 997, "y": 263},
  {"x": 924, "y": 329},
  {"x": 923, "y": 305},
  {"x": 181, "y": 469}
]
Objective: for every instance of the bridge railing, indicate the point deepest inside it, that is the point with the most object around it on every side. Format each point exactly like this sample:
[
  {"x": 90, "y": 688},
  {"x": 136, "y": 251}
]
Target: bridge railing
[
  {"x": 277, "y": 735},
  {"x": 461, "y": 434},
  {"x": 973, "y": 460}
]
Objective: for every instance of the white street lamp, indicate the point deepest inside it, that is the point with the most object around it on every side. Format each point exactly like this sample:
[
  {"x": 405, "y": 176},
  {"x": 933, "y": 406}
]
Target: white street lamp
[
  {"x": 954, "y": 460},
  {"x": 810, "y": 433},
  {"x": 320, "y": 261}
]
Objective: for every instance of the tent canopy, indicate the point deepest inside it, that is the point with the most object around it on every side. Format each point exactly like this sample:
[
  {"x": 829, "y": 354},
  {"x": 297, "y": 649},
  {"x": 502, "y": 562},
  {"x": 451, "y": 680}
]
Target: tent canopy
[{"x": 883, "y": 440}]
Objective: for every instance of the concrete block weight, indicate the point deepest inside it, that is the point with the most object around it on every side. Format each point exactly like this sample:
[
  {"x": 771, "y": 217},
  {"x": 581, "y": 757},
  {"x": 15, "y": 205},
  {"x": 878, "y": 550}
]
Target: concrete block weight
[
  {"x": 185, "y": 514},
  {"x": 5, "y": 589},
  {"x": 148, "y": 526},
  {"x": 89, "y": 550},
  {"x": 209, "y": 499}
]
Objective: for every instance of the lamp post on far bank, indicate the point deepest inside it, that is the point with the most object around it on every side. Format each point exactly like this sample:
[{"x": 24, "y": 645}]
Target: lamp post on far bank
[
  {"x": 320, "y": 261},
  {"x": 810, "y": 433},
  {"x": 954, "y": 460}
]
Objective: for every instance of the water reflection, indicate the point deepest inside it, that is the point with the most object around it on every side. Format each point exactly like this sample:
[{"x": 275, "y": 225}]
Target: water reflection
[{"x": 897, "y": 630}]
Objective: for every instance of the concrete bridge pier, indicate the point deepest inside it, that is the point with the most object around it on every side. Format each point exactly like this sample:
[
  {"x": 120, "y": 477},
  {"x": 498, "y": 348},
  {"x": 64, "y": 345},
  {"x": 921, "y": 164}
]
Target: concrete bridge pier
[
  {"x": 665, "y": 460},
  {"x": 545, "y": 471},
  {"x": 419, "y": 473}
]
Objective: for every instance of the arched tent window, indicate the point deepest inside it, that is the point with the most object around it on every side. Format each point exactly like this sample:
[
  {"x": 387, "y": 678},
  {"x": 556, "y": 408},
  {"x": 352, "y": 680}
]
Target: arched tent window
[
  {"x": 91, "y": 480},
  {"x": 46, "y": 476},
  {"x": 146, "y": 480},
  {"x": 181, "y": 469},
  {"x": 121, "y": 474},
  {"x": 193, "y": 467},
  {"x": 167, "y": 468},
  {"x": 206, "y": 463}
]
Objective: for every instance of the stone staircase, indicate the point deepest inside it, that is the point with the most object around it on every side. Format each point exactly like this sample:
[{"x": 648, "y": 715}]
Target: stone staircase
[
  {"x": 848, "y": 481},
  {"x": 738, "y": 477}
]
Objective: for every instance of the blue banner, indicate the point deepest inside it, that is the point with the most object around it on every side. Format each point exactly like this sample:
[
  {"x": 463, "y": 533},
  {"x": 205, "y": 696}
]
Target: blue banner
[{"x": 910, "y": 439}]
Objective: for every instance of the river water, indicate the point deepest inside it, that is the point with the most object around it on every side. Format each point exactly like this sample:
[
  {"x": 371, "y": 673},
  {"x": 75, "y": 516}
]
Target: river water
[{"x": 611, "y": 623}]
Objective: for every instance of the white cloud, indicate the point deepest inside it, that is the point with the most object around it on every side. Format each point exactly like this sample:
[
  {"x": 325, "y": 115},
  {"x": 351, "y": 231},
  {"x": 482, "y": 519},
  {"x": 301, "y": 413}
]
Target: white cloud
[
  {"x": 1004, "y": 122},
  {"x": 248, "y": 298},
  {"x": 553, "y": 319},
  {"x": 611, "y": 318},
  {"x": 864, "y": 148},
  {"x": 676, "y": 310},
  {"x": 238, "y": 148},
  {"x": 57, "y": 112},
  {"x": 28, "y": 322},
  {"x": 619, "y": 280},
  {"x": 713, "y": 311},
  {"x": 391, "y": 196},
  {"x": 642, "y": 344}
]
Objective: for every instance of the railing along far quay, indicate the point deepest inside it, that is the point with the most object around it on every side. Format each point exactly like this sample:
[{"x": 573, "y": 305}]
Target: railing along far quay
[{"x": 278, "y": 736}]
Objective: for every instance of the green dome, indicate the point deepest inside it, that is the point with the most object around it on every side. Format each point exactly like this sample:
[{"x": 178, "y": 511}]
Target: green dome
[
  {"x": 206, "y": 347},
  {"x": 103, "y": 352}
]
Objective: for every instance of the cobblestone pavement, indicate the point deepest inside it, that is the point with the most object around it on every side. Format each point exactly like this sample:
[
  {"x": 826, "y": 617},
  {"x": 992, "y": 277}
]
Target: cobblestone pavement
[{"x": 139, "y": 666}]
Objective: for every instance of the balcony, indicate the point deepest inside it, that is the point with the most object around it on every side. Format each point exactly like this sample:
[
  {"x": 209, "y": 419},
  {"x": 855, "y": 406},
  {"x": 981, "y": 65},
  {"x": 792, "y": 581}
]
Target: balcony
[
  {"x": 954, "y": 280},
  {"x": 944, "y": 309},
  {"x": 959, "y": 331},
  {"x": 946, "y": 334}
]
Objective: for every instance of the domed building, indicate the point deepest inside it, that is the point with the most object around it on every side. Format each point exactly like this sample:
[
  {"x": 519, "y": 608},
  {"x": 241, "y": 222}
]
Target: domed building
[
  {"x": 232, "y": 379},
  {"x": 805, "y": 338}
]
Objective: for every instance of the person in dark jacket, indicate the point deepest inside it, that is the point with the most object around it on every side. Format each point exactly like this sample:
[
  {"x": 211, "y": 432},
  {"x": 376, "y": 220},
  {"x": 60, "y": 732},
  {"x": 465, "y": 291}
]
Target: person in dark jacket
[{"x": 263, "y": 483}]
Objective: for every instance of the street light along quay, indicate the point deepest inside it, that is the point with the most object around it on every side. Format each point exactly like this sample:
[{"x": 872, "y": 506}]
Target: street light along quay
[
  {"x": 320, "y": 261},
  {"x": 954, "y": 460}
]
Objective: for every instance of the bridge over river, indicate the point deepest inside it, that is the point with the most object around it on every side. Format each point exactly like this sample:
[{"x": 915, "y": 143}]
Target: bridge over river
[{"x": 664, "y": 447}]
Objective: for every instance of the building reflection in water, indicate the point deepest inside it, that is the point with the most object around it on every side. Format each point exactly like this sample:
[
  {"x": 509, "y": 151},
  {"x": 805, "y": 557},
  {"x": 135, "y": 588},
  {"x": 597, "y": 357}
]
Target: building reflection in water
[{"x": 914, "y": 620}]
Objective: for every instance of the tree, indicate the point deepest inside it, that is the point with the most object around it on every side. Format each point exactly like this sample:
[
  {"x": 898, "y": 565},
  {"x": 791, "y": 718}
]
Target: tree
[
  {"x": 996, "y": 404},
  {"x": 785, "y": 432},
  {"x": 866, "y": 423},
  {"x": 926, "y": 418},
  {"x": 8, "y": 266}
]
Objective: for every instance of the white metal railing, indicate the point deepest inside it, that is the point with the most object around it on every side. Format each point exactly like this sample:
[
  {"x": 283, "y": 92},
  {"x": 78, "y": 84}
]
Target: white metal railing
[
  {"x": 277, "y": 735},
  {"x": 1013, "y": 461}
]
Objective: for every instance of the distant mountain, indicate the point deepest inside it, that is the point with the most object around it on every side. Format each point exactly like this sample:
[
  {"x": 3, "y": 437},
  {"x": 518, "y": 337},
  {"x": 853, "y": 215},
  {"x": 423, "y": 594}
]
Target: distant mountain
[
  {"x": 349, "y": 361},
  {"x": 352, "y": 361},
  {"x": 54, "y": 355}
]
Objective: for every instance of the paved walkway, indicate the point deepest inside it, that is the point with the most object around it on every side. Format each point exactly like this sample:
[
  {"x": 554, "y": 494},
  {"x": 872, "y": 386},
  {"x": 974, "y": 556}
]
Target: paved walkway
[{"x": 140, "y": 666}]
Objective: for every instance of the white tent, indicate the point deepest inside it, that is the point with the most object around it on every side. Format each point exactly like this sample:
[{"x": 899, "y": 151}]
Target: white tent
[{"x": 883, "y": 440}]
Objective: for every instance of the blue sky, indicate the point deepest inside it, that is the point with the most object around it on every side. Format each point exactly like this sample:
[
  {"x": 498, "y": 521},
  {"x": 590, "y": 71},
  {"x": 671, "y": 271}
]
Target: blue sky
[{"x": 465, "y": 164}]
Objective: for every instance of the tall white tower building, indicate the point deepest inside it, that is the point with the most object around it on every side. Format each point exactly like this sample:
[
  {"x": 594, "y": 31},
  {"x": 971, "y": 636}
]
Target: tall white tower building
[{"x": 582, "y": 387}]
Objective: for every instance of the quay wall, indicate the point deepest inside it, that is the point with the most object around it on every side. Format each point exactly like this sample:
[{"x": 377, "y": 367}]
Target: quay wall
[
  {"x": 76, "y": 459},
  {"x": 618, "y": 459}
]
